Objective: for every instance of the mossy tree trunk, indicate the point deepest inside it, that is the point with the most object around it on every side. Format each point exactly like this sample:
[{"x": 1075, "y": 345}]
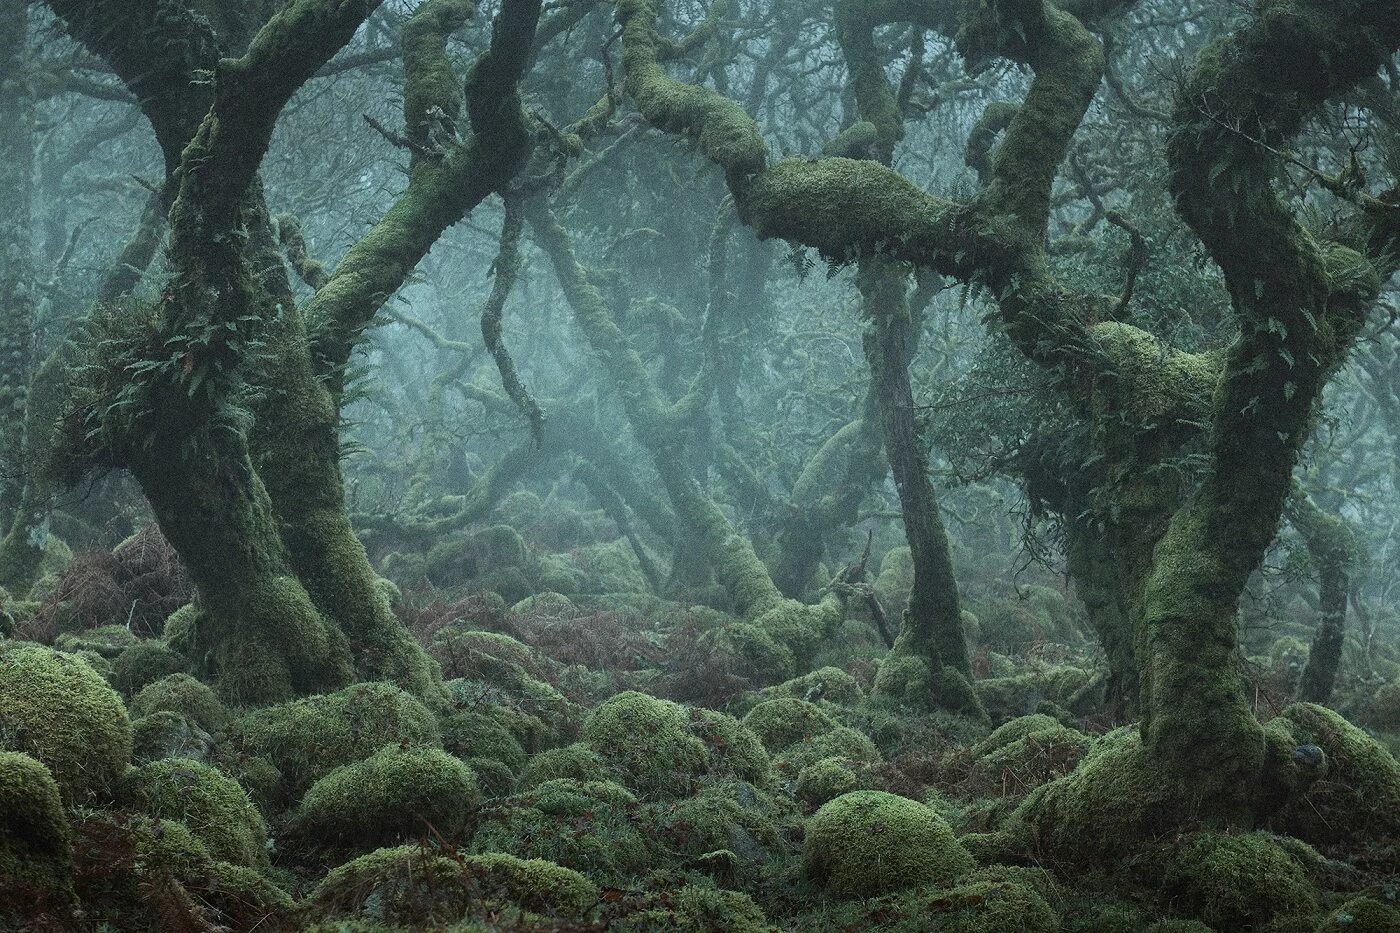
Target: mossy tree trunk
[{"x": 1331, "y": 546}]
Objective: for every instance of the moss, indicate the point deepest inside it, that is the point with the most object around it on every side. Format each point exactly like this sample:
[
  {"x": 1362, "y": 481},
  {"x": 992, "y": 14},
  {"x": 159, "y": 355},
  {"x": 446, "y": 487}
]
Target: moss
[
  {"x": 35, "y": 845},
  {"x": 395, "y": 794},
  {"x": 1361, "y": 915},
  {"x": 1026, "y": 753},
  {"x": 469, "y": 734},
  {"x": 869, "y": 843},
  {"x": 841, "y": 742},
  {"x": 694, "y": 909},
  {"x": 165, "y": 734},
  {"x": 1237, "y": 881},
  {"x": 1383, "y": 709},
  {"x": 145, "y": 663},
  {"x": 181, "y": 693},
  {"x": 828, "y": 683},
  {"x": 767, "y": 658},
  {"x": 307, "y": 739},
  {"x": 612, "y": 568},
  {"x": 108, "y": 640},
  {"x": 1357, "y": 799},
  {"x": 547, "y": 605},
  {"x": 245, "y": 899},
  {"x": 588, "y": 826},
  {"x": 212, "y": 805},
  {"x": 660, "y": 748},
  {"x": 987, "y": 901},
  {"x": 731, "y": 815},
  {"x": 577, "y": 762},
  {"x": 779, "y": 723},
  {"x": 493, "y": 778},
  {"x": 825, "y": 780},
  {"x": 1023, "y": 694},
  {"x": 412, "y": 886},
  {"x": 56, "y": 708}
]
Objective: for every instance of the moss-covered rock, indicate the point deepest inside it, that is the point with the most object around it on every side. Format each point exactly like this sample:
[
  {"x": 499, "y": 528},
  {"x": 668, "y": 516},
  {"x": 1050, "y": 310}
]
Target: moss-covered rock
[
  {"x": 577, "y": 762},
  {"x": 145, "y": 663},
  {"x": 1362, "y": 915},
  {"x": 1026, "y": 753},
  {"x": 589, "y": 826},
  {"x": 987, "y": 901},
  {"x": 779, "y": 723},
  {"x": 472, "y": 735},
  {"x": 841, "y": 742},
  {"x": 214, "y": 807},
  {"x": 395, "y": 794},
  {"x": 109, "y": 641},
  {"x": 1237, "y": 881},
  {"x": 731, "y": 815},
  {"x": 825, "y": 780},
  {"x": 611, "y": 567},
  {"x": 691, "y": 909},
  {"x": 164, "y": 734},
  {"x": 181, "y": 693},
  {"x": 419, "y": 889},
  {"x": 56, "y": 708},
  {"x": 827, "y": 683},
  {"x": 1357, "y": 799},
  {"x": 1383, "y": 709},
  {"x": 660, "y": 748},
  {"x": 869, "y": 843},
  {"x": 307, "y": 739},
  {"x": 35, "y": 846}
]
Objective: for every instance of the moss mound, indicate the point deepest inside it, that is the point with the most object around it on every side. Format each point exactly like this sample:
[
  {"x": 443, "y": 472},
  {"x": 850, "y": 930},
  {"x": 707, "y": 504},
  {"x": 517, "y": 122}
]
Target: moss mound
[
  {"x": 1237, "y": 881},
  {"x": 692, "y": 908},
  {"x": 987, "y": 901},
  {"x": 659, "y": 748},
  {"x": 869, "y": 843},
  {"x": 58, "y": 710},
  {"x": 1362, "y": 915},
  {"x": 826, "y": 683},
  {"x": 307, "y": 739},
  {"x": 181, "y": 693},
  {"x": 164, "y": 734},
  {"x": 417, "y": 888},
  {"x": 395, "y": 794},
  {"x": 825, "y": 780},
  {"x": 214, "y": 807},
  {"x": 577, "y": 762},
  {"x": 781, "y": 722},
  {"x": 589, "y": 826},
  {"x": 35, "y": 846},
  {"x": 1357, "y": 799},
  {"x": 145, "y": 663},
  {"x": 841, "y": 742},
  {"x": 732, "y": 816},
  {"x": 473, "y": 736}
]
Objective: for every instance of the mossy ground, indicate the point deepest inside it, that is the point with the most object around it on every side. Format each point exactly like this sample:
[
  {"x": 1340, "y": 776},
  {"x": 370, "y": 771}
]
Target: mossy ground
[{"x": 575, "y": 782}]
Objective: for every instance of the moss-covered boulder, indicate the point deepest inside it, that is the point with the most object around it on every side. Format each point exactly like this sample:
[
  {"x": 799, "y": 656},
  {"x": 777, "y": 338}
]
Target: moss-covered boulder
[
  {"x": 827, "y": 683},
  {"x": 825, "y": 780},
  {"x": 692, "y": 908},
  {"x": 1357, "y": 799},
  {"x": 416, "y": 888},
  {"x": 1237, "y": 881},
  {"x": 394, "y": 795},
  {"x": 164, "y": 734},
  {"x": 109, "y": 641},
  {"x": 589, "y": 826},
  {"x": 474, "y": 736},
  {"x": 58, "y": 710},
  {"x": 992, "y": 900},
  {"x": 145, "y": 663},
  {"x": 659, "y": 748},
  {"x": 1362, "y": 915},
  {"x": 307, "y": 739},
  {"x": 1025, "y": 753},
  {"x": 181, "y": 693},
  {"x": 731, "y": 815},
  {"x": 577, "y": 762},
  {"x": 35, "y": 846},
  {"x": 869, "y": 843},
  {"x": 780, "y": 722},
  {"x": 841, "y": 742},
  {"x": 214, "y": 807}
]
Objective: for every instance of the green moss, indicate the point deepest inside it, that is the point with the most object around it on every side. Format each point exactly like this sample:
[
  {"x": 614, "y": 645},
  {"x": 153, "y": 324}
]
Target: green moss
[
  {"x": 469, "y": 734},
  {"x": 588, "y": 826},
  {"x": 56, "y": 708},
  {"x": 825, "y": 780},
  {"x": 841, "y": 742},
  {"x": 781, "y": 722},
  {"x": 828, "y": 683},
  {"x": 307, "y": 739},
  {"x": 612, "y": 568},
  {"x": 412, "y": 886},
  {"x": 660, "y": 748},
  {"x": 213, "y": 806},
  {"x": 145, "y": 663},
  {"x": 869, "y": 843},
  {"x": 1235, "y": 882},
  {"x": 1361, "y": 915},
  {"x": 987, "y": 901},
  {"x": 165, "y": 734},
  {"x": 767, "y": 658},
  {"x": 108, "y": 640},
  {"x": 1026, "y": 753},
  {"x": 181, "y": 693},
  {"x": 35, "y": 845},
  {"x": 1383, "y": 709},
  {"x": 245, "y": 899},
  {"x": 493, "y": 778},
  {"x": 395, "y": 794},
  {"x": 731, "y": 815},
  {"x": 1357, "y": 799},
  {"x": 577, "y": 762},
  {"x": 695, "y": 909}
]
